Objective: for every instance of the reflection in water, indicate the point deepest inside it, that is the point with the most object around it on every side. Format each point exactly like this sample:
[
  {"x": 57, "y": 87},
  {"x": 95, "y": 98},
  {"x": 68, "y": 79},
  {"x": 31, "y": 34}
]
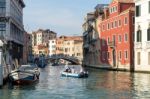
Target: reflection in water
[
  {"x": 99, "y": 85},
  {"x": 142, "y": 85}
]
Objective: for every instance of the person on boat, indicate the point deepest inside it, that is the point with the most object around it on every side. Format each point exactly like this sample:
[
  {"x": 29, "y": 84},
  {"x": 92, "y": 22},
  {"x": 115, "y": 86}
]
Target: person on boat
[
  {"x": 73, "y": 70},
  {"x": 67, "y": 69},
  {"x": 81, "y": 70}
]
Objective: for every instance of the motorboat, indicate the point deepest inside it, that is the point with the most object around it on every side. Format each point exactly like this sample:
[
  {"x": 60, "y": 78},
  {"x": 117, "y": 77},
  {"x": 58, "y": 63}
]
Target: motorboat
[
  {"x": 68, "y": 72},
  {"x": 75, "y": 75},
  {"x": 25, "y": 74}
]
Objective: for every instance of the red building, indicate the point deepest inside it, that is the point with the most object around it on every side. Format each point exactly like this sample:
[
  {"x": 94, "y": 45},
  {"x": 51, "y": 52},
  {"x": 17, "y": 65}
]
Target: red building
[{"x": 117, "y": 33}]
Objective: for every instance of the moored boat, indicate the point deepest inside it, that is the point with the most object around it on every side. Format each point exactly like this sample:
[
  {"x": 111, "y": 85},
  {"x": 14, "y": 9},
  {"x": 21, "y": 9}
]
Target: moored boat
[{"x": 25, "y": 74}]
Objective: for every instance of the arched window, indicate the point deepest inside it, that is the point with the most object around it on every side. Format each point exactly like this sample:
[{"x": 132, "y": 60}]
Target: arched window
[{"x": 139, "y": 35}]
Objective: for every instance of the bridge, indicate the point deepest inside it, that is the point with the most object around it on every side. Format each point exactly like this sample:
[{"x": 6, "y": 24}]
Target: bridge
[{"x": 71, "y": 59}]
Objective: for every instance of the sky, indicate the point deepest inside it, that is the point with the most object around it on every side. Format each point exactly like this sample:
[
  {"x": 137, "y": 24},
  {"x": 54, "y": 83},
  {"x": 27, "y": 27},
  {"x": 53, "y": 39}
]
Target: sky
[{"x": 65, "y": 17}]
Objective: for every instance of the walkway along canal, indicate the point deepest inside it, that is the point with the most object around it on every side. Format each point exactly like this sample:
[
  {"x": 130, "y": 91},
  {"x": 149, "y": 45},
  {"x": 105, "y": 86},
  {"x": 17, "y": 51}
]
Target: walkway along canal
[{"x": 100, "y": 84}]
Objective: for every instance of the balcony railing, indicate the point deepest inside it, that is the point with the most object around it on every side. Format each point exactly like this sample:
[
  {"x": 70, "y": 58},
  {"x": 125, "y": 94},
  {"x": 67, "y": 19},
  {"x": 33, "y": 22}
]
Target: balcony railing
[
  {"x": 111, "y": 44},
  {"x": 86, "y": 45},
  {"x": 138, "y": 45},
  {"x": 147, "y": 45}
]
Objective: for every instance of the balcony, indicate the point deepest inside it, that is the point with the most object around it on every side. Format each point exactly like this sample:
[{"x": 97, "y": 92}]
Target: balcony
[
  {"x": 148, "y": 45},
  {"x": 111, "y": 44},
  {"x": 85, "y": 33},
  {"x": 86, "y": 45},
  {"x": 138, "y": 45}
]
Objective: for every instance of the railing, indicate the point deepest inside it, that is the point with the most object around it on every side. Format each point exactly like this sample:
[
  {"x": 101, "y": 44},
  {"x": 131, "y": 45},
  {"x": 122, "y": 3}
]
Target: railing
[
  {"x": 85, "y": 33},
  {"x": 138, "y": 45},
  {"x": 71, "y": 58},
  {"x": 86, "y": 45},
  {"x": 111, "y": 44}
]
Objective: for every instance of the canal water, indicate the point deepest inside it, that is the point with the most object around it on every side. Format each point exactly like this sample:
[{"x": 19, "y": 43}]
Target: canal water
[{"x": 100, "y": 84}]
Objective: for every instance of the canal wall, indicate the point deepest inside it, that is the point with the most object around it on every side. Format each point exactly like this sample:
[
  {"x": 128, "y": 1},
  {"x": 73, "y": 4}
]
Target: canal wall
[{"x": 123, "y": 69}]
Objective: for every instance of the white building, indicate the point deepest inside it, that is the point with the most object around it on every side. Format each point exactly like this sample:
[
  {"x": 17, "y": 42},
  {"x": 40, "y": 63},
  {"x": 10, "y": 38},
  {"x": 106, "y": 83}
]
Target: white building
[
  {"x": 52, "y": 47},
  {"x": 142, "y": 35},
  {"x": 11, "y": 28}
]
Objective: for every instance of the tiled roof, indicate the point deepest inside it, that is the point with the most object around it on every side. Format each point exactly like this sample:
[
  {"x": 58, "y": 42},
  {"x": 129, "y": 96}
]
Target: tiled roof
[
  {"x": 70, "y": 37},
  {"x": 44, "y": 31},
  {"x": 124, "y": 1}
]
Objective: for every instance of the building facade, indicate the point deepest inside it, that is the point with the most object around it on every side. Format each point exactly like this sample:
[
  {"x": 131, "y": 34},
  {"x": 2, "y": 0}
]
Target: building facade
[
  {"x": 116, "y": 34},
  {"x": 12, "y": 29},
  {"x": 91, "y": 37},
  {"x": 78, "y": 49},
  {"x": 70, "y": 46},
  {"x": 42, "y": 37},
  {"x": 142, "y": 35},
  {"x": 40, "y": 41},
  {"x": 52, "y": 47},
  {"x": 60, "y": 45},
  {"x": 27, "y": 49}
]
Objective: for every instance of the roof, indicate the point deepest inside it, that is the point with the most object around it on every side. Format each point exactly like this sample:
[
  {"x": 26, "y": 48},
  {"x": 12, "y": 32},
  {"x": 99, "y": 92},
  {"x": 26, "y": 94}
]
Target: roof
[
  {"x": 101, "y": 6},
  {"x": 124, "y": 1},
  {"x": 129, "y": 9},
  {"x": 22, "y": 3},
  {"x": 70, "y": 38},
  {"x": 45, "y": 31}
]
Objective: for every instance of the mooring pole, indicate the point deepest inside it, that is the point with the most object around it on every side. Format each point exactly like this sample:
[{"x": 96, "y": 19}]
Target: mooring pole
[
  {"x": 1, "y": 63},
  {"x": 1, "y": 68}
]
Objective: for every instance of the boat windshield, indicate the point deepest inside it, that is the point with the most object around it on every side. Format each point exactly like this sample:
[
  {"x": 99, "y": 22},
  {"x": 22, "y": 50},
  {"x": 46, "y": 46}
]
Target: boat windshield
[{"x": 28, "y": 67}]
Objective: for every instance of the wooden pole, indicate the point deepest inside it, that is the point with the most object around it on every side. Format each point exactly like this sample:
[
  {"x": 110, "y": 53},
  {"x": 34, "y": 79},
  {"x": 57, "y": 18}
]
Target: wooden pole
[{"x": 1, "y": 68}]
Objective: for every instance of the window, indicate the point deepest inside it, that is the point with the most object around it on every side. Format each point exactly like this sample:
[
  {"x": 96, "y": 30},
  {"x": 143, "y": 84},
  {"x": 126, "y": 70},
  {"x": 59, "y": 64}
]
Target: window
[
  {"x": 110, "y": 10},
  {"x": 119, "y": 38},
  {"x": 113, "y": 9},
  {"x": 2, "y": 6},
  {"x": 114, "y": 39},
  {"x": 148, "y": 34},
  {"x": 138, "y": 58},
  {"x": 138, "y": 10},
  {"x": 120, "y": 55},
  {"x": 108, "y": 26},
  {"x": 126, "y": 54},
  {"x": 139, "y": 36},
  {"x": 126, "y": 37},
  {"x": 148, "y": 58},
  {"x": 116, "y": 9},
  {"x": 119, "y": 22},
  {"x": 112, "y": 25},
  {"x": 125, "y": 20},
  {"x": 108, "y": 40},
  {"x": 78, "y": 54},
  {"x": 116, "y": 24},
  {"x": 2, "y": 29},
  {"x": 103, "y": 27}
]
